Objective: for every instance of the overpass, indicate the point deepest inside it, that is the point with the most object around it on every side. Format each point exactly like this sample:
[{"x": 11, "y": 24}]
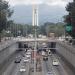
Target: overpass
[{"x": 22, "y": 39}]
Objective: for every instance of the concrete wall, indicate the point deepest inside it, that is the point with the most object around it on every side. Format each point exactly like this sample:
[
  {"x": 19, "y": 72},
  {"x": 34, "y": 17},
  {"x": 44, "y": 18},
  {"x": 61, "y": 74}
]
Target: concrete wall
[
  {"x": 68, "y": 52},
  {"x": 6, "y": 52}
]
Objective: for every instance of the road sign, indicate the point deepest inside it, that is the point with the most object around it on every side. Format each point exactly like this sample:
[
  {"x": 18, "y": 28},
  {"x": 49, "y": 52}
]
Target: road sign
[{"x": 68, "y": 28}]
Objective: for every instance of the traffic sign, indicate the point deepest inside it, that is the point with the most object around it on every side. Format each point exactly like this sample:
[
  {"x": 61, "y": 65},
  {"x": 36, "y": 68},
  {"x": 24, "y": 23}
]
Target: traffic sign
[{"x": 68, "y": 28}]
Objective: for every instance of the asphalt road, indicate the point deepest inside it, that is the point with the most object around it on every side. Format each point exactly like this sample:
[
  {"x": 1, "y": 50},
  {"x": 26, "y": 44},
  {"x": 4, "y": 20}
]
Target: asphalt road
[
  {"x": 7, "y": 62},
  {"x": 11, "y": 68},
  {"x": 14, "y": 68},
  {"x": 61, "y": 69},
  {"x": 64, "y": 66}
]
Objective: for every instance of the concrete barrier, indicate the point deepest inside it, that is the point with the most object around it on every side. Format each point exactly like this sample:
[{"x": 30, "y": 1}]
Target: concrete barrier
[
  {"x": 7, "y": 49},
  {"x": 67, "y": 51}
]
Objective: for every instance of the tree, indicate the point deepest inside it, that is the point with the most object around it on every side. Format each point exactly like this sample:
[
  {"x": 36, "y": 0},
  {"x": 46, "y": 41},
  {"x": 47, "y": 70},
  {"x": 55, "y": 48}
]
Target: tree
[
  {"x": 5, "y": 13},
  {"x": 57, "y": 28},
  {"x": 70, "y": 19}
]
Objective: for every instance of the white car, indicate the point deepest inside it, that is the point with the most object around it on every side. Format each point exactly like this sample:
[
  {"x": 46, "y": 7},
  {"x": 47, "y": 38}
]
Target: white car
[
  {"x": 55, "y": 62},
  {"x": 26, "y": 60},
  {"x": 28, "y": 56},
  {"x": 29, "y": 50},
  {"x": 23, "y": 69},
  {"x": 43, "y": 53},
  {"x": 28, "y": 53}
]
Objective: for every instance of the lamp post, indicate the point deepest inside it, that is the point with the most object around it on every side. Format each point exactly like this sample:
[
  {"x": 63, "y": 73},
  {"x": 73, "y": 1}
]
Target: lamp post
[{"x": 35, "y": 24}]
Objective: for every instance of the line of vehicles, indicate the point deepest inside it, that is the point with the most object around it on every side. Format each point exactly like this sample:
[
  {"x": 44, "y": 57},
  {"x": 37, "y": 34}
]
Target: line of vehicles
[
  {"x": 24, "y": 58},
  {"x": 45, "y": 55},
  {"x": 50, "y": 52}
]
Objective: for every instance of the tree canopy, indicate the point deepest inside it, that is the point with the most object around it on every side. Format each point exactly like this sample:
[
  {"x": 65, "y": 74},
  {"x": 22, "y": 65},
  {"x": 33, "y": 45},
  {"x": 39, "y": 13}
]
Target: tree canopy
[
  {"x": 25, "y": 29},
  {"x": 70, "y": 18},
  {"x": 5, "y": 13}
]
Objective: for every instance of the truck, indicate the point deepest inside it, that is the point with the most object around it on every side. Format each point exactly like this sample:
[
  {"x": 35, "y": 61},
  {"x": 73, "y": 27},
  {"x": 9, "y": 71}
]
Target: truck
[{"x": 45, "y": 56}]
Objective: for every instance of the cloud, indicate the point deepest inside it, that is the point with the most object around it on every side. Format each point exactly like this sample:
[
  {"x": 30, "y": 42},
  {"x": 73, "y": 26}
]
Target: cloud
[
  {"x": 25, "y": 2},
  {"x": 49, "y": 2},
  {"x": 57, "y": 3},
  {"x": 62, "y": 3}
]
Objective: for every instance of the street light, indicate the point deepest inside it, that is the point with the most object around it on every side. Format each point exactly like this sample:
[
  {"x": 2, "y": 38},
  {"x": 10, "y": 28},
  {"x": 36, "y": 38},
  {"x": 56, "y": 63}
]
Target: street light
[{"x": 35, "y": 24}]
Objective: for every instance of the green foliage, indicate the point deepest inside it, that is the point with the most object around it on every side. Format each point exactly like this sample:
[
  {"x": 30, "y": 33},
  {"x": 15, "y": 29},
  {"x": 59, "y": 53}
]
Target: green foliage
[
  {"x": 5, "y": 13},
  {"x": 70, "y": 18},
  {"x": 24, "y": 30},
  {"x": 20, "y": 29},
  {"x": 57, "y": 28}
]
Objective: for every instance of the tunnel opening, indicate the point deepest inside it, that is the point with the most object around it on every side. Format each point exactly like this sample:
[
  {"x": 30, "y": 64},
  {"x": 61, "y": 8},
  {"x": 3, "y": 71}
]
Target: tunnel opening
[{"x": 52, "y": 46}]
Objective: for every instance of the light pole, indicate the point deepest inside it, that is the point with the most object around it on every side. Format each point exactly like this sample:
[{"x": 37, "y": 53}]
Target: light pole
[{"x": 35, "y": 24}]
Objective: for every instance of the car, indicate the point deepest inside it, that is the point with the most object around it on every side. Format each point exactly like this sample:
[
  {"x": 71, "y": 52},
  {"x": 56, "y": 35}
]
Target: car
[
  {"x": 45, "y": 58},
  {"x": 18, "y": 36},
  {"x": 29, "y": 50},
  {"x": 43, "y": 53},
  {"x": 55, "y": 62},
  {"x": 22, "y": 69},
  {"x": 17, "y": 60},
  {"x": 49, "y": 73},
  {"x": 26, "y": 60},
  {"x": 28, "y": 53},
  {"x": 49, "y": 52},
  {"x": 28, "y": 56},
  {"x": 32, "y": 69}
]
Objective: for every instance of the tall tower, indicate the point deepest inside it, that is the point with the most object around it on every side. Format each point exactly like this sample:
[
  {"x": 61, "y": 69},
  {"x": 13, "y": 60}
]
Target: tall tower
[{"x": 35, "y": 15}]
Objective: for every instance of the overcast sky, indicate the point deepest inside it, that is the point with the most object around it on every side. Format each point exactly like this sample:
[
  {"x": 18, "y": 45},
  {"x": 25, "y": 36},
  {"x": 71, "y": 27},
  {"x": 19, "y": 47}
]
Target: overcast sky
[
  {"x": 49, "y": 2},
  {"x": 53, "y": 10}
]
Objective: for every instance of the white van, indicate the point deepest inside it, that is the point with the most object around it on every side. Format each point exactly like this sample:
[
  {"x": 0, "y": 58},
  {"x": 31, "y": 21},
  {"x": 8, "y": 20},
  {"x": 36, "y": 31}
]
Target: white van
[
  {"x": 43, "y": 53},
  {"x": 55, "y": 62}
]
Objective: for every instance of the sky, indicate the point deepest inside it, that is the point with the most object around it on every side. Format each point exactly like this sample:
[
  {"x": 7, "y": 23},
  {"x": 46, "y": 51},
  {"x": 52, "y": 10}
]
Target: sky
[
  {"x": 48, "y": 2},
  {"x": 49, "y": 10}
]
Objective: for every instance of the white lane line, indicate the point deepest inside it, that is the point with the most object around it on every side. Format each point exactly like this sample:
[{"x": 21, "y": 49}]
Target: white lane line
[{"x": 43, "y": 67}]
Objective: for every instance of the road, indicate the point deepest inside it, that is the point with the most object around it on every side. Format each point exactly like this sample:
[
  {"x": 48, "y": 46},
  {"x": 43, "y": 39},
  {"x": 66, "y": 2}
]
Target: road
[
  {"x": 61, "y": 69},
  {"x": 47, "y": 66},
  {"x": 64, "y": 66},
  {"x": 7, "y": 62},
  {"x": 14, "y": 68}
]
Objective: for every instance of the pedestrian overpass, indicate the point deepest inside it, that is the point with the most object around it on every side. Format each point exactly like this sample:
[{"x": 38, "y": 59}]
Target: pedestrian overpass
[{"x": 22, "y": 39}]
